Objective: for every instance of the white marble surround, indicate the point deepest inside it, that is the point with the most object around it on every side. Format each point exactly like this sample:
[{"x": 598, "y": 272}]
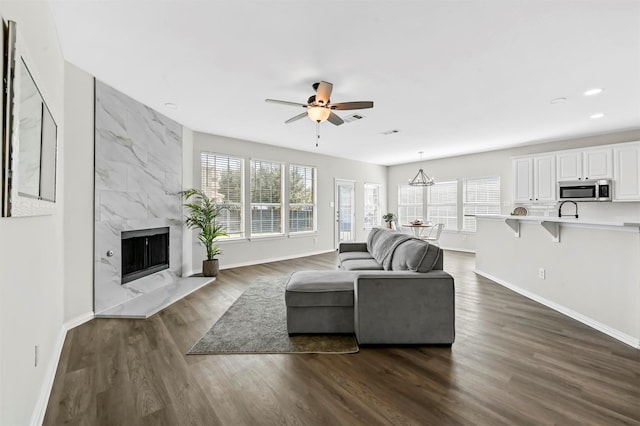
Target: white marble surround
[{"x": 138, "y": 176}]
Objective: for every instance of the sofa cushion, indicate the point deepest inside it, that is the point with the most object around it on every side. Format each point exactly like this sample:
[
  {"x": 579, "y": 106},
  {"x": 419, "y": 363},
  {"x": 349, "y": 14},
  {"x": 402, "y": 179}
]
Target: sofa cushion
[
  {"x": 320, "y": 288},
  {"x": 382, "y": 243},
  {"x": 415, "y": 255},
  {"x": 361, "y": 265},
  {"x": 350, "y": 255}
]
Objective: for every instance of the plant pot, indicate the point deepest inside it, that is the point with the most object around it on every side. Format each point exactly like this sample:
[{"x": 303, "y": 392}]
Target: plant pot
[{"x": 210, "y": 268}]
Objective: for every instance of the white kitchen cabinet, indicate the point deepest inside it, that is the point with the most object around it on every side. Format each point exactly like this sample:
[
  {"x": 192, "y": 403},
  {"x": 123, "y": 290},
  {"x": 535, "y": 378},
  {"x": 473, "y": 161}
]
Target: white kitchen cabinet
[
  {"x": 569, "y": 165},
  {"x": 585, "y": 164},
  {"x": 597, "y": 164},
  {"x": 534, "y": 179},
  {"x": 523, "y": 180},
  {"x": 544, "y": 178},
  {"x": 626, "y": 164}
]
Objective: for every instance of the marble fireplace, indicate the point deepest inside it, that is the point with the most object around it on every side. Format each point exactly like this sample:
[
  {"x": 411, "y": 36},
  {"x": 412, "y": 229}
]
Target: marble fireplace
[{"x": 138, "y": 179}]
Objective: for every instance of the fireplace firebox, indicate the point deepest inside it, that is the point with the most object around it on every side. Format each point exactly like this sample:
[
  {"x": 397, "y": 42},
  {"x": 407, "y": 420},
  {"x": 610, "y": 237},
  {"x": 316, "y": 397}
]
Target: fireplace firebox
[{"x": 144, "y": 252}]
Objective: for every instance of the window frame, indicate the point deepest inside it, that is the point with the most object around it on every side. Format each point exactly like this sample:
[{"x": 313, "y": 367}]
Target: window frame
[
  {"x": 240, "y": 205},
  {"x": 251, "y": 203},
  {"x": 314, "y": 200},
  {"x": 497, "y": 205},
  {"x": 454, "y": 205},
  {"x": 377, "y": 211},
  {"x": 409, "y": 218}
]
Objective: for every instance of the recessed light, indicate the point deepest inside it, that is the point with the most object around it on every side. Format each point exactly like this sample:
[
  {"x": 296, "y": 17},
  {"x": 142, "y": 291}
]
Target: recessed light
[
  {"x": 597, "y": 115},
  {"x": 558, "y": 100},
  {"x": 592, "y": 92},
  {"x": 170, "y": 105}
]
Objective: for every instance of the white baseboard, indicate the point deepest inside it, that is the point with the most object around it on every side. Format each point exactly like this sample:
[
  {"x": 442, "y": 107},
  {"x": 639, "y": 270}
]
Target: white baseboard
[
  {"x": 274, "y": 259},
  {"x": 612, "y": 332},
  {"x": 45, "y": 391}
]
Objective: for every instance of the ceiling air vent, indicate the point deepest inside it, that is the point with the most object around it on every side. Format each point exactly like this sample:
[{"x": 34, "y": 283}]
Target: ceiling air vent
[{"x": 353, "y": 117}]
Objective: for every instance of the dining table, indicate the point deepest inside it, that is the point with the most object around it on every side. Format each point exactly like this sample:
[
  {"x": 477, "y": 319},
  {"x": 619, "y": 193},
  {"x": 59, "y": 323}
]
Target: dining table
[{"x": 418, "y": 228}]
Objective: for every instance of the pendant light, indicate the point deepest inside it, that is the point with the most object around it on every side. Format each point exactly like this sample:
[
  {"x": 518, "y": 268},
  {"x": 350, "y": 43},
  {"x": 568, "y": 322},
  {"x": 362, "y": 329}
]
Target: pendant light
[{"x": 421, "y": 178}]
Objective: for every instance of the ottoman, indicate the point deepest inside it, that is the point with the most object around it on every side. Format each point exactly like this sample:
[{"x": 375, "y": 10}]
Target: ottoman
[{"x": 320, "y": 302}]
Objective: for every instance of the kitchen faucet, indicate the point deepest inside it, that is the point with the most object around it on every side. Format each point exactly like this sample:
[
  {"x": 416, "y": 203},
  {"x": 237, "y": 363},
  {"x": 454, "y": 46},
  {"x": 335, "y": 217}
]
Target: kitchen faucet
[{"x": 562, "y": 204}]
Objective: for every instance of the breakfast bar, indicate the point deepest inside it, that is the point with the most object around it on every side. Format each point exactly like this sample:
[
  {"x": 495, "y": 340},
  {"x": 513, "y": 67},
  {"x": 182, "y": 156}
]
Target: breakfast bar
[{"x": 588, "y": 269}]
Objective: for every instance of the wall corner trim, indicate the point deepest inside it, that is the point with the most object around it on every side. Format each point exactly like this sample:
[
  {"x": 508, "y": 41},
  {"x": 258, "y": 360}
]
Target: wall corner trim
[{"x": 40, "y": 409}]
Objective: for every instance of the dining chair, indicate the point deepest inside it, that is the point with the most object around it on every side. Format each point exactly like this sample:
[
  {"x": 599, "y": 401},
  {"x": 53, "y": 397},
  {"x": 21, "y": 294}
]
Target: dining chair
[{"x": 434, "y": 234}]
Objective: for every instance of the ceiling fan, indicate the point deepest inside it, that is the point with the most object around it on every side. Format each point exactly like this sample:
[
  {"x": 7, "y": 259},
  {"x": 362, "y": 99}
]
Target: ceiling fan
[{"x": 319, "y": 107}]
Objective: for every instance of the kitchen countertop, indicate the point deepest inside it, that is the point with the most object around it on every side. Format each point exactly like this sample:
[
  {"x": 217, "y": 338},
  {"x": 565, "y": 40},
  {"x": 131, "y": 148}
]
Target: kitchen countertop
[{"x": 634, "y": 223}]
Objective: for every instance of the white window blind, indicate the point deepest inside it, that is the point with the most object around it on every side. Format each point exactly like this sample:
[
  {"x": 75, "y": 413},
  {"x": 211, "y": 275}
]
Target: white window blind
[
  {"x": 372, "y": 214},
  {"x": 302, "y": 198},
  {"x": 410, "y": 203},
  {"x": 480, "y": 196},
  {"x": 442, "y": 204},
  {"x": 266, "y": 198},
  {"x": 221, "y": 178}
]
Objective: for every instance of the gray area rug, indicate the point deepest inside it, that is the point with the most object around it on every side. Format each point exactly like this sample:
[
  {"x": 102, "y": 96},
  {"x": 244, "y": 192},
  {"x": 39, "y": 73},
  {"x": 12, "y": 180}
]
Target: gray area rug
[{"x": 257, "y": 323}]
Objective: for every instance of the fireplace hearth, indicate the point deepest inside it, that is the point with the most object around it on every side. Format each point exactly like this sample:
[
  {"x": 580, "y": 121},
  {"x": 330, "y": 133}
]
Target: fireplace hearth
[{"x": 144, "y": 252}]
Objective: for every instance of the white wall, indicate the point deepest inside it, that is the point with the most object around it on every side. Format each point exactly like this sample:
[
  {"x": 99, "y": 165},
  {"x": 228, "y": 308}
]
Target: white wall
[
  {"x": 498, "y": 163},
  {"x": 78, "y": 186},
  {"x": 329, "y": 168},
  {"x": 31, "y": 248}
]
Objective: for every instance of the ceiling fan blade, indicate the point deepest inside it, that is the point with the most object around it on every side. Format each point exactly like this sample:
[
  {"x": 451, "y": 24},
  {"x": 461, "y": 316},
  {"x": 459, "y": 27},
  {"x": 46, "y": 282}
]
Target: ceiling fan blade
[
  {"x": 297, "y": 117},
  {"x": 352, "y": 105},
  {"x": 324, "y": 92},
  {"x": 275, "y": 101},
  {"x": 334, "y": 119}
]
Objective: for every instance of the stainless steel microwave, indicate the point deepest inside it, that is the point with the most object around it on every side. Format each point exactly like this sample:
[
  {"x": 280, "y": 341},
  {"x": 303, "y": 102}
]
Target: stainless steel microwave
[{"x": 585, "y": 190}]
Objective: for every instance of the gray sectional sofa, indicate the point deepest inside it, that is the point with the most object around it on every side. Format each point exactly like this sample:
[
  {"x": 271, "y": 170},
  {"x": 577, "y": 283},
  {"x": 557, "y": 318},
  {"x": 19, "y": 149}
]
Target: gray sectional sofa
[{"x": 388, "y": 290}]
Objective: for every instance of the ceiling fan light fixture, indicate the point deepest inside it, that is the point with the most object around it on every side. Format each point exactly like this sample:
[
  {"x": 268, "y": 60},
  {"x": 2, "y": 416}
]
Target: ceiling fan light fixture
[{"x": 318, "y": 113}]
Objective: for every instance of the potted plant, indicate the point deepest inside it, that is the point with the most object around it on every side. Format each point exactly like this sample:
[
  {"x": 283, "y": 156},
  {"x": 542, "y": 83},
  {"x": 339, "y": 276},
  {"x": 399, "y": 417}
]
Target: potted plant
[
  {"x": 389, "y": 218},
  {"x": 203, "y": 212}
]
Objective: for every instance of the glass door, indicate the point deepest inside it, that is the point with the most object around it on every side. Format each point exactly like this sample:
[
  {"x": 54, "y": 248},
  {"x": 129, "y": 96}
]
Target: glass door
[{"x": 345, "y": 210}]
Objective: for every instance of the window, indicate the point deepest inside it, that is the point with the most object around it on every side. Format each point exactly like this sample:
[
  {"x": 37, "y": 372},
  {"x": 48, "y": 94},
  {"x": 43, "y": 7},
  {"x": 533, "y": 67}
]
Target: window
[
  {"x": 410, "y": 203},
  {"x": 221, "y": 179},
  {"x": 442, "y": 204},
  {"x": 480, "y": 196},
  {"x": 302, "y": 198},
  {"x": 266, "y": 198},
  {"x": 372, "y": 214}
]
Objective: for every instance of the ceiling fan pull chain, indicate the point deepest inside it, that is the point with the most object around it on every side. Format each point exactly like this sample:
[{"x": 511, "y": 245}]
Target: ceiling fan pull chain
[{"x": 317, "y": 133}]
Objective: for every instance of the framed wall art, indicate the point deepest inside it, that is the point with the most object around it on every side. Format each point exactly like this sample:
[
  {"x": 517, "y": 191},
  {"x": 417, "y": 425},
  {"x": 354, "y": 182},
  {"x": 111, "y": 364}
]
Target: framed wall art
[{"x": 29, "y": 137}]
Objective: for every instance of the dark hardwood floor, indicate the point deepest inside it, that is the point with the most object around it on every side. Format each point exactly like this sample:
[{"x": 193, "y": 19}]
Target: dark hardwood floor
[{"x": 514, "y": 362}]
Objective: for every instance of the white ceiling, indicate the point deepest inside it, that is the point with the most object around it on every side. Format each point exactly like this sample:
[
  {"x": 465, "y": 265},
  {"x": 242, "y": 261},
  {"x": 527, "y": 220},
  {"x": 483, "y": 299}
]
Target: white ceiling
[{"x": 453, "y": 77}]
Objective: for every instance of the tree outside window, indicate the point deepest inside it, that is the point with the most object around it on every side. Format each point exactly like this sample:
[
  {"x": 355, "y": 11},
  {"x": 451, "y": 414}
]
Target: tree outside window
[
  {"x": 302, "y": 198},
  {"x": 266, "y": 198},
  {"x": 221, "y": 178}
]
